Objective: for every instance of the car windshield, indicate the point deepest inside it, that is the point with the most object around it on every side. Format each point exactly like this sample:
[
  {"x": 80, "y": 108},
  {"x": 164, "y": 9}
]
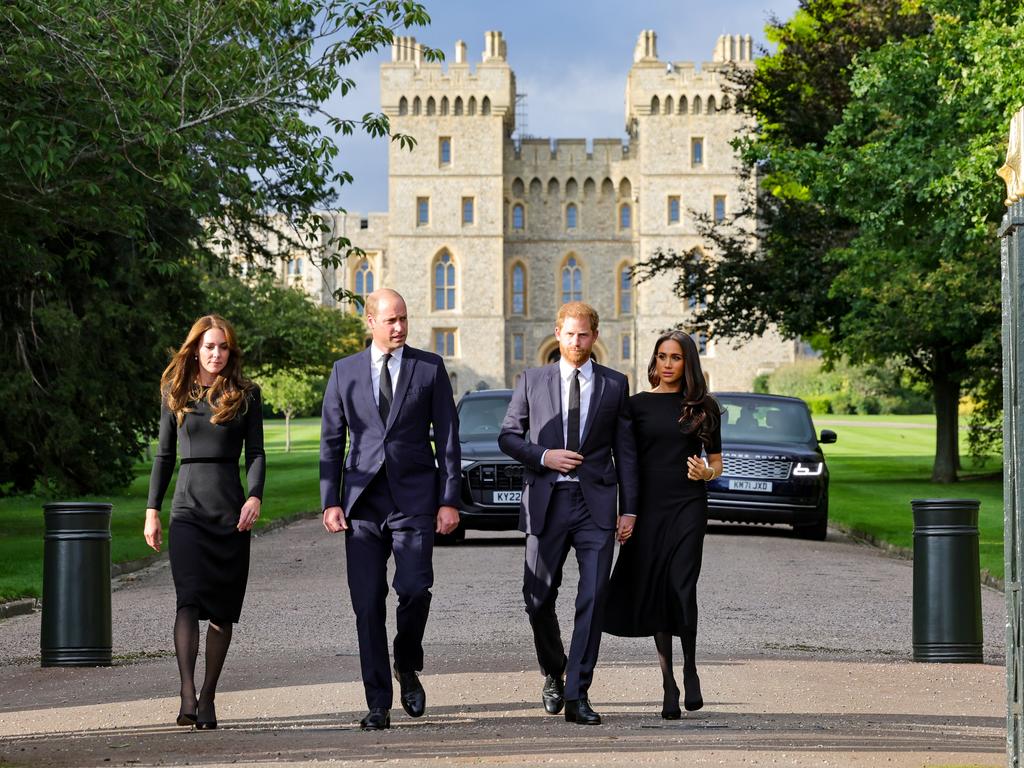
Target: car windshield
[
  {"x": 750, "y": 419},
  {"x": 481, "y": 417}
]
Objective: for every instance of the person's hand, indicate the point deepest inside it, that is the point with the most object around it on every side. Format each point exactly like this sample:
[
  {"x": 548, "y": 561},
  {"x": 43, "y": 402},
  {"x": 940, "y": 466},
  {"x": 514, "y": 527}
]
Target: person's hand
[
  {"x": 447, "y": 519},
  {"x": 334, "y": 520},
  {"x": 562, "y": 460},
  {"x": 697, "y": 469},
  {"x": 250, "y": 513},
  {"x": 152, "y": 530},
  {"x": 626, "y": 523}
]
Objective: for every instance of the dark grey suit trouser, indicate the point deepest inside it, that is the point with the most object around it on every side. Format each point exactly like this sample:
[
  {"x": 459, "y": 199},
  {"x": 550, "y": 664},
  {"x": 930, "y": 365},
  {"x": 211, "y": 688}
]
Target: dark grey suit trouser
[
  {"x": 568, "y": 524},
  {"x": 375, "y": 532}
]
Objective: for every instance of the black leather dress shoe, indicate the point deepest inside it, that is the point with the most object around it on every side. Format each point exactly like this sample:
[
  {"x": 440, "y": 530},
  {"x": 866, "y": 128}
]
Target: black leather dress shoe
[
  {"x": 579, "y": 711},
  {"x": 414, "y": 698},
  {"x": 377, "y": 719},
  {"x": 553, "y": 694}
]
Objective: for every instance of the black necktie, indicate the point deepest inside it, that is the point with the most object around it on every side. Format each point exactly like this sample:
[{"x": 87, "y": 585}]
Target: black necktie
[
  {"x": 572, "y": 438},
  {"x": 387, "y": 392}
]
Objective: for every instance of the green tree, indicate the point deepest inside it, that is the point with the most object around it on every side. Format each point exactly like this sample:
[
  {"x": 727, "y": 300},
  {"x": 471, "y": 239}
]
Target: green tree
[
  {"x": 137, "y": 140},
  {"x": 894, "y": 183},
  {"x": 290, "y": 393}
]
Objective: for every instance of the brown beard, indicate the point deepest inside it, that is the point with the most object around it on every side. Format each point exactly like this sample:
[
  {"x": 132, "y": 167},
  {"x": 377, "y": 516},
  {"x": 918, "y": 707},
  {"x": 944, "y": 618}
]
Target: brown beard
[{"x": 576, "y": 358}]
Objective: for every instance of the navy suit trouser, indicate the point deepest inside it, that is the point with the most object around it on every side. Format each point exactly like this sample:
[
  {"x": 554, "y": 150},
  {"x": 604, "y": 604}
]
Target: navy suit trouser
[
  {"x": 568, "y": 524},
  {"x": 376, "y": 531}
]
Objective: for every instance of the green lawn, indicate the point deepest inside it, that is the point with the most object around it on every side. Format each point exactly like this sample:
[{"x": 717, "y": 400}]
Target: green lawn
[{"x": 876, "y": 470}]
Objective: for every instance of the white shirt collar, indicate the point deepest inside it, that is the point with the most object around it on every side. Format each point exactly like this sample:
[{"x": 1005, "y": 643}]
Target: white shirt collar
[
  {"x": 586, "y": 370},
  {"x": 376, "y": 354}
]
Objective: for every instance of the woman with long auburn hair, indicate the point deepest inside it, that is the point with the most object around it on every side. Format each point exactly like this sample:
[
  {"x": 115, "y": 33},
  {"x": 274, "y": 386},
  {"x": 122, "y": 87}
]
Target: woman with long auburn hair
[
  {"x": 653, "y": 590},
  {"x": 210, "y": 410}
]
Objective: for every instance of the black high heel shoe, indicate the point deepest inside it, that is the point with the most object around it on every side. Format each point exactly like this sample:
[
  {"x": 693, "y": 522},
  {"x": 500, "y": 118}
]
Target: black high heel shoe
[
  {"x": 693, "y": 699},
  {"x": 186, "y": 718},
  {"x": 670, "y": 704},
  {"x": 207, "y": 721}
]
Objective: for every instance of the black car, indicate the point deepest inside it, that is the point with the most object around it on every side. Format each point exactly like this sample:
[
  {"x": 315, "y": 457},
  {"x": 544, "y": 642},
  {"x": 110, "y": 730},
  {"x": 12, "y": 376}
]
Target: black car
[
  {"x": 492, "y": 483},
  {"x": 774, "y": 469}
]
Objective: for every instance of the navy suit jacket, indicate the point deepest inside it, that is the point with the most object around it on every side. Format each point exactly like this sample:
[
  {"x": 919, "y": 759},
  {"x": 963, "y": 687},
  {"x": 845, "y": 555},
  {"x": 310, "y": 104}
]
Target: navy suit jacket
[
  {"x": 533, "y": 424},
  {"x": 423, "y": 397}
]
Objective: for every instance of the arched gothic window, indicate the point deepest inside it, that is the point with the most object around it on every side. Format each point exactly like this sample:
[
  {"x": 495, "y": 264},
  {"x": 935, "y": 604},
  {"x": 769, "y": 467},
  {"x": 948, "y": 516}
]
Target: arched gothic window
[
  {"x": 364, "y": 279},
  {"x": 518, "y": 216},
  {"x": 444, "y": 281},
  {"x": 403, "y": 106},
  {"x": 572, "y": 280},
  {"x": 518, "y": 290},
  {"x": 625, "y": 216},
  {"x": 625, "y": 283}
]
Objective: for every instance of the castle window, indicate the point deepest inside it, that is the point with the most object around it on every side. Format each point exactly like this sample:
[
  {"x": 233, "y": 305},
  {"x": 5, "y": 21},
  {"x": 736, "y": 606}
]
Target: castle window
[
  {"x": 444, "y": 282},
  {"x": 518, "y": 290},
  {"x": 607, "y": 187},
  {"x": 701, "y": 340},
  {"x": 444, "y": 105},
  {"x": 711, "y": 105},
  {"x": 416, "y": 105},
  {"x": 625, "y": 189},
  {"x": 431, "y": 106},
  {"x": 422, "y": 211},
  {"x": 444, "y": 342},
  {"x": 668, "y": 105},
  {"x": 726, "y": 104},
  {"x": 625, "y": 282},
  {"x": 403, "y": 106},
  {"x": 535, "y": 187},
  {"x": 518, "y": 353},
  {"x": 295, "y": 267},
  {"x": 682, "y": 105},
  {"x": 485, "y": 106},
  {"x": 444, "y": 150},
  {"x": 589, "y": 187},
  {"x": 626, "y": 347},
  {"x": 363, "y": 280},
  {"x": 673, "y": 209},
  {"x": 553, "y": 187},
  {"x": 518, "y": 188},
  {"x": 518, "y": 216},
  {"x": 696, "y": 105},
  {"x": 719, "y": 208},
  {"x": 696, "y": 151},
  {"x": 625, "y": 216},
  {"x": 570, "y": 216},
  {"x": 467, "y": 210},
  {"x": 471, "y": 106},
  {"x": 458, "y": 105},
  {"x": 655, "y": 106},
  {"x": 571, "y": 188},
  {"x": 694, "y": 294},
  {"x": 572, "y": 281}
]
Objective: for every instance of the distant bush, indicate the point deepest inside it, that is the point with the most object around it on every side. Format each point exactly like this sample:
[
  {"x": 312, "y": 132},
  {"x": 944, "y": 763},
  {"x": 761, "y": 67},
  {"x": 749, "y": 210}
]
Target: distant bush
[{"x": 846, "y": 389}]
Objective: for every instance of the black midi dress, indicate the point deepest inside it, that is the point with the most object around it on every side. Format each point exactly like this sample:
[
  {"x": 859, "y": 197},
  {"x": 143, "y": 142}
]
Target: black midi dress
[
  {"x": 654, "y": 585},
  {"x": 209, "y": 555}
]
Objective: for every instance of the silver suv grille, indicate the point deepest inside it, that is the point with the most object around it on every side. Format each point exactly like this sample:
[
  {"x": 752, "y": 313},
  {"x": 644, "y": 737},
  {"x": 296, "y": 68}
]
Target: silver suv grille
[
  {"x": 496, "y": 477},
  {"x": 756, "y": 466}
]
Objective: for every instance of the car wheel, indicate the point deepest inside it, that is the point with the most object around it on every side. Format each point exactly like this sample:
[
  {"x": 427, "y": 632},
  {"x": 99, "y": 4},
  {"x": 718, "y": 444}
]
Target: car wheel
[
  {"x": 818, "y": 530},
  {"x": 448, "y": 539}
]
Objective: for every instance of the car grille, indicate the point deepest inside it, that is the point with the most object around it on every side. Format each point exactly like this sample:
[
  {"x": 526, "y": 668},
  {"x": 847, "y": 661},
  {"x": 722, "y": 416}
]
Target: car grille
[
  {"x": 756, "y": 466},
  {"x": 495, "y": 477}
]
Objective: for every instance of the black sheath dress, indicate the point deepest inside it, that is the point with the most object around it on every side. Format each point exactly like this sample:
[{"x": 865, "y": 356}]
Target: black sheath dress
[
  {"x": 209, "y": 555},
  {"x": 654, "y": 585}
]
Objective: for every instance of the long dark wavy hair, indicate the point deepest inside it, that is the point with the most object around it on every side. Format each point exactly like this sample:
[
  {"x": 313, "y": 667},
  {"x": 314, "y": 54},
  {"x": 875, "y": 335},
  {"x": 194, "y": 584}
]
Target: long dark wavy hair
[{"x": 701, "y": 413}]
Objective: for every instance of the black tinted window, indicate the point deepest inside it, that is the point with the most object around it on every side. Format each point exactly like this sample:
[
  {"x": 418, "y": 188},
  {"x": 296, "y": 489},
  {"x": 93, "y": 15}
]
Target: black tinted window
[
  {"x": 751, "y": 419},
  {"x": 481, "y": 417}
]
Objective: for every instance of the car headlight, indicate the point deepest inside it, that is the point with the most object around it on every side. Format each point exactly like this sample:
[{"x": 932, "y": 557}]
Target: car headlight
[
  {"x": 468, "y": 463},
  {"x": 808, "y": 468}
]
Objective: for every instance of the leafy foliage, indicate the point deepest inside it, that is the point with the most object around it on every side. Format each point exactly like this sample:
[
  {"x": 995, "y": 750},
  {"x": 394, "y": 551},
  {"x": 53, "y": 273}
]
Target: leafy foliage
[{"x": 291, "y": 393}]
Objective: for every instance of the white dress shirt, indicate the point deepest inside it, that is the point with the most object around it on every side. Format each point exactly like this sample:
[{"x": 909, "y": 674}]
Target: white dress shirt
[
  {"x": 565, "y": 372},
  {"x": 377, "y": 362}
]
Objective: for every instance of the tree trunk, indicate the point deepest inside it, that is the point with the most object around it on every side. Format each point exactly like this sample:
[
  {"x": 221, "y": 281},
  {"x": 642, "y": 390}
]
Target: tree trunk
[
  {"x": 947, "y": 428},
  {"x": 287, "y": 431}
]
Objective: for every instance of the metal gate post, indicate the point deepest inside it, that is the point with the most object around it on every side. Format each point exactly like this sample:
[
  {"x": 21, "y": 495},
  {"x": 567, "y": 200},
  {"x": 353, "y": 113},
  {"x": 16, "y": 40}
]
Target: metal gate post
[{"x": 1011, "y": 234}]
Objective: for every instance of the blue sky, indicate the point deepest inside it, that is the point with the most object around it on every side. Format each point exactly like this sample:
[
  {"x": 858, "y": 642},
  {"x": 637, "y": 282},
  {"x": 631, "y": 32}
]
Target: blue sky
[{"x": 570, "y": 57}]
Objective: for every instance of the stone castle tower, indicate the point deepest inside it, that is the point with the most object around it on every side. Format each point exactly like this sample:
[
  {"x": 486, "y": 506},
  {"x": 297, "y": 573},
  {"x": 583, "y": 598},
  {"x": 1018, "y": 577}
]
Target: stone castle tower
[{"x": 486, "y": 236}]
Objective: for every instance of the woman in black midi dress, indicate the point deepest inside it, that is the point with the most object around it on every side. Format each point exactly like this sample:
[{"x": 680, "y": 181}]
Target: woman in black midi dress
[
  {"x": 211, "y": 411},
  {"x": 653, "y": 589}
]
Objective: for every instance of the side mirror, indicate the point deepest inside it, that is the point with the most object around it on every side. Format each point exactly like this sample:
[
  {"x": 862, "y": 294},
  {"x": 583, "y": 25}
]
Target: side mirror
[{"x": 827, "y": 436}]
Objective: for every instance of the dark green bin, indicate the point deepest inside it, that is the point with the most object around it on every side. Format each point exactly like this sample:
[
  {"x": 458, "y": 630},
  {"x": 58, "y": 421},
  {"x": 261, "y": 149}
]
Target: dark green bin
[
  {"x": 947, "y": 581},
  {"x": 76, "y": 629}
]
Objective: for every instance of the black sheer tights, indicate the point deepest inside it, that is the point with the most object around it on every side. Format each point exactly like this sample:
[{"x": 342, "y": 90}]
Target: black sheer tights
[
  {"x": 691, "y": 682},
  {"x": 186, "y": 649}
]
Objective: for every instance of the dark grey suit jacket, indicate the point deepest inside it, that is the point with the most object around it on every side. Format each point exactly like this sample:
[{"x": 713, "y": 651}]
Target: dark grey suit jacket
[{"x": 608, "y": 475}]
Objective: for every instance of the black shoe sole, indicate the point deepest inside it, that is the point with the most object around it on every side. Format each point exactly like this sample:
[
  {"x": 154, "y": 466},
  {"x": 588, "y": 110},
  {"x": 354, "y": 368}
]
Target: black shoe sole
[
  {"x": 206, "y": 726},
  {"x": 185, "y": 720}
]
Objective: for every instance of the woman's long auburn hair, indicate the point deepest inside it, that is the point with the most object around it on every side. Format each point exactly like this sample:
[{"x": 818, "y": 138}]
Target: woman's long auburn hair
[
  {"x": 701, "y": 413},
  {"x": 179, "y": 384}
]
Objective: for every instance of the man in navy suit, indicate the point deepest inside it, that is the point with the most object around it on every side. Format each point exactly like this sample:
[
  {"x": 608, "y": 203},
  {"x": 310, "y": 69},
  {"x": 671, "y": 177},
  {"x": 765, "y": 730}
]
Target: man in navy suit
[
  {"x": 568, "y": 424},
  {"x": 390, "y": 495}
]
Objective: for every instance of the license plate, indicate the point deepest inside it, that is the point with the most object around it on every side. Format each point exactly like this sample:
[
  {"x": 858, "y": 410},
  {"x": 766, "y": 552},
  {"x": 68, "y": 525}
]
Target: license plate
[
  {"x": 764, "y": 486},
  {"x": 507, "y": 497}
]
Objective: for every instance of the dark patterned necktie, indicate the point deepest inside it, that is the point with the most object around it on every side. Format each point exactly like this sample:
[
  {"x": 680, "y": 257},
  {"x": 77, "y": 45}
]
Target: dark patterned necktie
[
  {"x": 387, "y": 391},
  {"x": 572, "y": 439}
]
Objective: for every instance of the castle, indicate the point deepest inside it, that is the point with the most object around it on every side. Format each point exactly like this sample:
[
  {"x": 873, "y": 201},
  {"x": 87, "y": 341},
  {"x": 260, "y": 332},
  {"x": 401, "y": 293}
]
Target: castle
[{"x": 485, "y": 235}]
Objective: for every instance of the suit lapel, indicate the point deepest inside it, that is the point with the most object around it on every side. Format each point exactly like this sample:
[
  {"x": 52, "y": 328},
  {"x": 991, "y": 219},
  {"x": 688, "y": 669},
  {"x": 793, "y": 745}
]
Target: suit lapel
[
  {"x": 364, "y": 390},
  {"x": 404, "y": 377},
  {"x": 595, "y": 401},
  {"x": 555, "y": 394}
]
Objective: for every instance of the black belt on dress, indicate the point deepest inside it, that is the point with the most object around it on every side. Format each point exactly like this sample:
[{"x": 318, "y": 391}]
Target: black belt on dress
[{"x": 209, "y": 460}]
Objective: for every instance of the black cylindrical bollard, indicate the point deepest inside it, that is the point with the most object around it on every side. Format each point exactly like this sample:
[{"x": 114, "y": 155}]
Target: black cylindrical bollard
[
  {"x": 76, "y": 630},
  {"x": 947, "y": 581}
]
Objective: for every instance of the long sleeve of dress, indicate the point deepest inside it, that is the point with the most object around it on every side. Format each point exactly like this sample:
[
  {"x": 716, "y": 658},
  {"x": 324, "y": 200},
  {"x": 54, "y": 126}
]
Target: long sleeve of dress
[
  {"x": 163, "y": 462},
  {"x": 255, "y": 457}
]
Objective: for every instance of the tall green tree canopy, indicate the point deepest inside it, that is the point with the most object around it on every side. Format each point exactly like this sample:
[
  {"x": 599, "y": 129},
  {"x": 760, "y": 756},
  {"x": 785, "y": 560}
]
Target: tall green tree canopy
[
  {"x": 878, "y": 210},
  {"x": 129, "y": 132}
]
